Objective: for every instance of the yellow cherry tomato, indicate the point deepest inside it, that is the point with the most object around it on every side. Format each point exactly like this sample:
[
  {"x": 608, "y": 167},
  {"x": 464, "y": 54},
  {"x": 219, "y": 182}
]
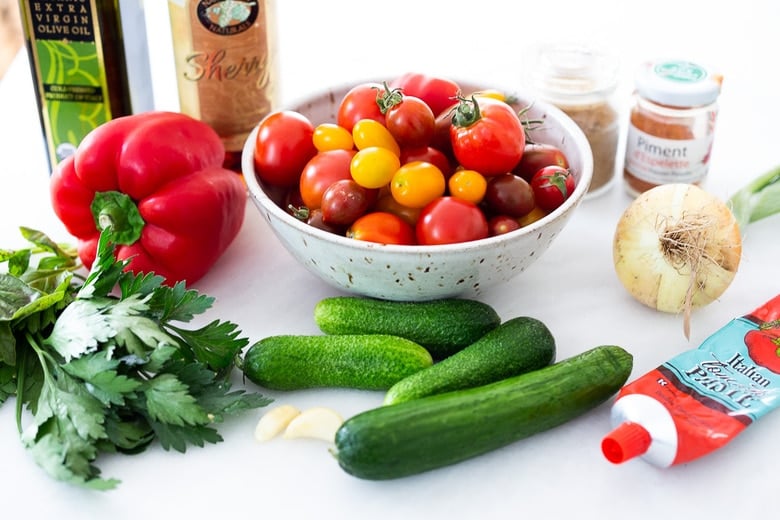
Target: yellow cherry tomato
[
  {"x": 532, "y": 216},
  {"x": 374, "y": 167},
  {"x": 368, "y": 132},
  {"x": 468, "y": 185},
  {"x": 330, "y": 136},
  {"x": 417, "y": 183}
]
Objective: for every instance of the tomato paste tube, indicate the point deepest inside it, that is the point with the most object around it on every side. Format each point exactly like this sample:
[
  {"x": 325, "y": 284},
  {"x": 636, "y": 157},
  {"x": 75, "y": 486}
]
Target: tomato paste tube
[{"x": 703, "y": 398}]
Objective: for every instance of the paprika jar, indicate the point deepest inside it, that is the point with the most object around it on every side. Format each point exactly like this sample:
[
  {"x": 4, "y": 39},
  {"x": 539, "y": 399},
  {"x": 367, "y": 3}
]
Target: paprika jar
[
  {"x": 581, "y": 81},
  {"x": 671, "y": 126}
]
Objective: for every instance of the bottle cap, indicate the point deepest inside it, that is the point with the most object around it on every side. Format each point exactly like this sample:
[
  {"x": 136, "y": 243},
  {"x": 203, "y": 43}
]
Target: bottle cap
[
  {"x": 625, "y": 442},
  {"x": 677, "y": 83}
]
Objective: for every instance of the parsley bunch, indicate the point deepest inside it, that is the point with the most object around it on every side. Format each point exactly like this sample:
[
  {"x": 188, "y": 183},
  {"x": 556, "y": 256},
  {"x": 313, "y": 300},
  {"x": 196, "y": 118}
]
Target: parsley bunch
[{"x": 100, "y": 365}]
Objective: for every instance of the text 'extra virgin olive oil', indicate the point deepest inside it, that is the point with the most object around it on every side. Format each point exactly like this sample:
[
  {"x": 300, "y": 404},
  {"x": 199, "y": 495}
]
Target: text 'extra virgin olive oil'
[
  {"x": 225, "y": 58},
  {"x": 90, "y": 64}
]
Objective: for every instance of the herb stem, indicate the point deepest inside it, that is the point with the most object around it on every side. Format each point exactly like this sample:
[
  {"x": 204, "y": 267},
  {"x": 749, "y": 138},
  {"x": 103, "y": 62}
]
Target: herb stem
[{"x": 758, "y": 199}]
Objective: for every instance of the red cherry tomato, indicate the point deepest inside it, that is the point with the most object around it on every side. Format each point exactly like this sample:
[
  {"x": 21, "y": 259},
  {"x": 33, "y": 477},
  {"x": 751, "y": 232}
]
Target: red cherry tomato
[
  {"x": 552, "y": 185},
  {"x": 360, "y": 103},
  {"x": 538, "y": 155},
  {"x": 382, "y": 227},
  {"x": 502, "y": 224},
  {"x": 283, "y": 146},
  {"x": 448, "y": 220},
  {"x": 487, "y": 136},
  {"x": 320, "y": 172},
  {"x": 438, "y": 93},
  {"x": 411, "y": 122}
]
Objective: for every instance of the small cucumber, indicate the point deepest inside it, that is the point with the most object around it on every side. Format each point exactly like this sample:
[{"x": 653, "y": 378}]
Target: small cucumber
[
  {"x": 442, "y": 326},
  {"x": 439, "y": 430},
  {"x": 363, "y": 361},
  {"x": 514, "y": 347}
]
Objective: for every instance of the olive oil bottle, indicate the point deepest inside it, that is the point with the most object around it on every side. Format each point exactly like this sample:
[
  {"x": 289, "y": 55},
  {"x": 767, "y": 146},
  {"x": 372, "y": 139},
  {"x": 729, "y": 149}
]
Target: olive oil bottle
[
  {"x": 225, "y": 60},
  {"x": 89, "y": 61}
]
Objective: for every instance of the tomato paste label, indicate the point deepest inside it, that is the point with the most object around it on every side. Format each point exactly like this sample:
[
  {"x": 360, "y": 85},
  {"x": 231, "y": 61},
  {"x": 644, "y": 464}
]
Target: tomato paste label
[{"x": 727, "y": 372}]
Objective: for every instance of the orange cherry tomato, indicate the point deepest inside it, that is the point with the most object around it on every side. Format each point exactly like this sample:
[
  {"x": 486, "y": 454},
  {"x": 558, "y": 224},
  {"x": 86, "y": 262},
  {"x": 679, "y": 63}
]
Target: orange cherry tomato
[
  {"x": 417, "y": 183},
  {"x": 382, "y": 227},
  {"x": 468, "y": 185}
]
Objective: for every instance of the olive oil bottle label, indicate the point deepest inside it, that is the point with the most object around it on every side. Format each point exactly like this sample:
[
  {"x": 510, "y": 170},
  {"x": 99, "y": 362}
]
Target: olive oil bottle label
[
  {"x": 67, "y": 58},
  {"x": 224, "y": 55}
]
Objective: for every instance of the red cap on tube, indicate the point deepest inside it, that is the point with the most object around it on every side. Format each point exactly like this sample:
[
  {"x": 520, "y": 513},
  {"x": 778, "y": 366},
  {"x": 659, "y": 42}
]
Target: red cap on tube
[{"x": 625, "y": 442}]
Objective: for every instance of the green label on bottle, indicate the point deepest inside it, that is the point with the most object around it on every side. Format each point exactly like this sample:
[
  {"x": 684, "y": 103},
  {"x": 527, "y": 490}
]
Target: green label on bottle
[
  {"x": 70, "y": 72},
  {"x": 681, "y": 71}
]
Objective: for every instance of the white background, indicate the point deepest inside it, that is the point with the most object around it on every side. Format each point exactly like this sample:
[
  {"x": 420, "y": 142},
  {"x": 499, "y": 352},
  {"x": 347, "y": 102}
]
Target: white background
[{"x": 572, "y": 288}]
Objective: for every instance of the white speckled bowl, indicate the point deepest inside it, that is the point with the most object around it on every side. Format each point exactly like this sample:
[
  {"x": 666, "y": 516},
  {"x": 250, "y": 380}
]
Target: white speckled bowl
[{"x": 413, "y": 273}]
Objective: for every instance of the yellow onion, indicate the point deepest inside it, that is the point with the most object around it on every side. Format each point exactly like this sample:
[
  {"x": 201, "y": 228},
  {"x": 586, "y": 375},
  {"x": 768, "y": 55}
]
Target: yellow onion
[{"x": 677, "y": 248}]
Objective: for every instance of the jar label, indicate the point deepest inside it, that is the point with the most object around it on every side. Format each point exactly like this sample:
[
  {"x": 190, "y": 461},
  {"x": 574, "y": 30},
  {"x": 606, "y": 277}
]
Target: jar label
[{"x": 663, "y": 161}]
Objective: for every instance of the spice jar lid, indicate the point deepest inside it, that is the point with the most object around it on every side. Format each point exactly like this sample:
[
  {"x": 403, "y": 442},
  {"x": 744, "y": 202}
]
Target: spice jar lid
[
  {"x": 567, "y": 72},
  {"x": 677, "y": 83}
]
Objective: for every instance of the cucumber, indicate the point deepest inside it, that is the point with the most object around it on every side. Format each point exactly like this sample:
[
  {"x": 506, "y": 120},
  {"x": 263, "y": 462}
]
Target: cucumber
[
  {"x": 421, "y": 435},
  {"x": 514, "y": 347},
  {"x": 442, "y": 326},
  {"x": 363, "y": 361}
]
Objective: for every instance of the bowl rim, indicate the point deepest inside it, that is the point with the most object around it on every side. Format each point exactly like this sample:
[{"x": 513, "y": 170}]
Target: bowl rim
[{"x": 257, "y": 192}]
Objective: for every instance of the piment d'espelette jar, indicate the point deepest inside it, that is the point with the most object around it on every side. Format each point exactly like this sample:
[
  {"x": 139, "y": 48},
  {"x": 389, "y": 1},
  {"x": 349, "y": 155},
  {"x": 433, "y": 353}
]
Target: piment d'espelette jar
[{"x": 672, "y": 125}]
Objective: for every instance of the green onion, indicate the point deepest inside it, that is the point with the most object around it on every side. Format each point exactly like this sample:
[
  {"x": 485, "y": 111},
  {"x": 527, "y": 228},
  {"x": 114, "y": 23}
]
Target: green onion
[{"x": 758, "y": 200}]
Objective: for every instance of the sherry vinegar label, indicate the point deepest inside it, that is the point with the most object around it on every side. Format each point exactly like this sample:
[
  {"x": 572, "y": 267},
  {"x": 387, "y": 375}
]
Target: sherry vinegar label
[
  {"x": 223, "y": 50},
  {"x": 69, "y": 72}
]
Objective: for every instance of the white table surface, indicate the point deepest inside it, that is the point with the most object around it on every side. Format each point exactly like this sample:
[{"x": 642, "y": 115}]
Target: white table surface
[{"x": 572, "y": 288}]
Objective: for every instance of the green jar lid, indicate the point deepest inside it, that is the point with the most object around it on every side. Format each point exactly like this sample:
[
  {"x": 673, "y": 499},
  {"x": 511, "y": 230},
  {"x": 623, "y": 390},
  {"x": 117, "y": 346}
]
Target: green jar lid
[{"x": 677, "y": 83}]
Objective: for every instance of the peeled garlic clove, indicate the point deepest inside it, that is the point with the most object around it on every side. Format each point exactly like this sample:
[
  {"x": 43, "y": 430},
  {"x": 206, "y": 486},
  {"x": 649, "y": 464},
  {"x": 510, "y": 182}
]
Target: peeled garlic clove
[
  {"x": 275, "y": 421},
  {"x": 315, "y": 423}
]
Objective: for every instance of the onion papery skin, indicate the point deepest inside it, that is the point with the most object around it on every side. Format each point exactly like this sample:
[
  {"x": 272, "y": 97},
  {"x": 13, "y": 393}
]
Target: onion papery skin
[{"x": 660, "y": 281}]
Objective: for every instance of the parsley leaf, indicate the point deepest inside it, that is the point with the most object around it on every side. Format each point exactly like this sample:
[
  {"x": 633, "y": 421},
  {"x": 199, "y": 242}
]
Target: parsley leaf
[{"x": 98, "y": 365}]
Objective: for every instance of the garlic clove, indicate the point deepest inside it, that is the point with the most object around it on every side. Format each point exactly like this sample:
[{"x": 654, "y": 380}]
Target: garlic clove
[
  {"x": 315, "y": 423},
  {"x": 275, "y": 421}
]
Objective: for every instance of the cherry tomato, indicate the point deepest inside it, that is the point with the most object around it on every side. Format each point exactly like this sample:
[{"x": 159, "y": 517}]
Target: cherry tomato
[
  {"x": 552, "y": 185},
  {"x": 442, "y": 140},
  {"x": 329, "y": 136},
  {"x": 468, "y": 185},
  {"x": 448, "y": 220},
  {"x": 314, "y": 218},
  {"x": 368, "y": 132},
  {"x": 536, "y": 214},
  {"x": 428, "y": 154},
  {"x": 415, "y": 184},
  {"x": 360, "y": 102},
  {"x": 283, "y": 146},
  {"x": 411, "y": 122},
  {"x": 344, "y": 202},
  {"x": 501, "y": 224},
  {"x": 374, "y": 167},
  {"x": 321, "y": 171},
  {"x": 487, "y": 136},
  {"x": 388, "y": 204},
  {"x": 382, "y": 227},
  {"x": 438, "y": 93},
  {"x": 538, "y": 155},
  {"x": 509, "y": 195}
]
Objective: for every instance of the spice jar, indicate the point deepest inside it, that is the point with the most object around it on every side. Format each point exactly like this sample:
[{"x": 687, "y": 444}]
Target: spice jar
[
  {"x": 672, "y": 125},
  {"x": 581, "y": 81}
]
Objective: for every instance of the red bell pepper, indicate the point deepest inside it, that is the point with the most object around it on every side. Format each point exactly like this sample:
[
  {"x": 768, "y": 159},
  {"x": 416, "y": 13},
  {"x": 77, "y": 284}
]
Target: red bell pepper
[
  {"x": 157, "y": 179},
  {"x": 438, "y": 93}
]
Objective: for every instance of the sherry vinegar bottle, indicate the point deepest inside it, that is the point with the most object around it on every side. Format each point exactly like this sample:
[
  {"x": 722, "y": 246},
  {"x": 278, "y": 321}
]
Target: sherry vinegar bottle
[{"x": 224, "y": 51}]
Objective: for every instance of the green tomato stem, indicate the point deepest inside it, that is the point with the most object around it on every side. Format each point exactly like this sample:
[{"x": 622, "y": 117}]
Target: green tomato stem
[
  {"x": 466, "y": 113},
  {"x": 758, "y": 199}
]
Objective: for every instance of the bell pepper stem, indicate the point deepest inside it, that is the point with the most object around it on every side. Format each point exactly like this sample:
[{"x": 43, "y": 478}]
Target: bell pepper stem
[{"x": 119, "y": 213}]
